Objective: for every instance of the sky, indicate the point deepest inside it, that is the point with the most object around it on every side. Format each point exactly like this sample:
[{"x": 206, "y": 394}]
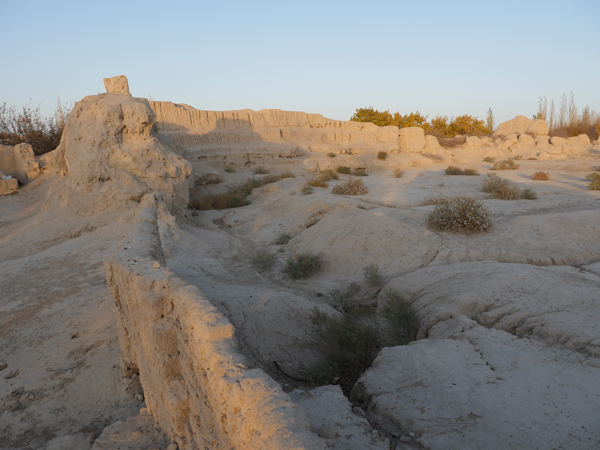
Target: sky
[{"x": 439, "y": 57}]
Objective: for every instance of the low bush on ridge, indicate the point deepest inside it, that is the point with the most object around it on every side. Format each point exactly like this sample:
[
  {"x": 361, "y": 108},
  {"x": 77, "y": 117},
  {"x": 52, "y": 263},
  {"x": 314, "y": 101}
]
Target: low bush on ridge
[
  {"x": 455, "y": 170},
  {"x": 460, "y": 212},
  {"x": 540, "y": 176},
  {"x": 351, "y": 187},
  {"x": 302, "y": 265},
  {"x": 504, "y": 189}
]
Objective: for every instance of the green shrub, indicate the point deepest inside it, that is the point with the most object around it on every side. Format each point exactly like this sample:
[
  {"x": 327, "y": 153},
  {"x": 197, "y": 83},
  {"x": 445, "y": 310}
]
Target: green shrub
[
  {"x": 263, "y": 259},
  {"x": 528, "y": 194},
  {"x": 540, "y": 176},
  {"x": 401, "y": 317},
  {"x": 373, "y": 274},
  {"x": 508, "y": 164},
  {"x": 398, "y": 173},
  {"x": 460, "y": 212},
  {"x": 344, "y": 169},
  {"x": 331, "y": 154},
  {"x": 344, "y": 296},
  {"x": 302, "y": 265},
  {"x": 283, "y": 239},
  {"x": 307, "y": 190},
  {"x": 350, "y": 187},
  {"x": 360, "y": 173},
  {"x": 382, "y": 155}
]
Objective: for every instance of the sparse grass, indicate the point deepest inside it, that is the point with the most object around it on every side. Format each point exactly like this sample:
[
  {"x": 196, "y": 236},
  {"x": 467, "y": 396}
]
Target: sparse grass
[
  {"x": 540, "y": 176},
  {"x": 307, "y": 190},
  {"x": 373, "y": 274},
  {"x": 322, "y": 180},
  {"x": 460, "y": 212},
  {"x": 455, "y": 170},
  {"x": 344, "y": 297},
  {"x": 302, "y": 265},
  {"x": 503, "y": 189},
  {"x": 401, "y": 317},
  {"x": 283, "y": 239},
  {"x": 398, "y": 173},
  {"x": 331, "y": 154},
  {"x": 350, "y": 187},
  {"x": 263, "y": 259},
  {"x": 489, "y": 159},
  {"x": 260, "y": 170},
  {"x": 344, "y": 169},
  {"x": 507, "y": 164},
  {"x": 382, "y": 155},
  {"x": 360, "y": 173}
]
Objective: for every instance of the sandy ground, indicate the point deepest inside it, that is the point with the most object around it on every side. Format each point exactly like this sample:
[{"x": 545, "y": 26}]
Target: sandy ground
[{"x": 57, "y": 329}]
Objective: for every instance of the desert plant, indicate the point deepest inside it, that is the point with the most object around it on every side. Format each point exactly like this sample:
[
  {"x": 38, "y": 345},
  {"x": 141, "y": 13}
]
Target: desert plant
[
  {"x": 317, "y": 181},
  {"x": 453, "y": 170},
  {"x": 287, "y": 174},
  {"x": 528, "y": 194},
  {"x": 507, "y": 164},
  {"x": 360, "y": 173},
  {"x": 323, "y": 178},
  {"x": 373, "y": 274},
  {"x": 283, "y": 239},
  {"x": 302, "y": 265},
  {"x": 489, "y": 159},
  {"x": 594, "y": 184},
  {"x": 460, "y": 212},
  {"x": 229, "y": 169},
  {"x": 43, "y": 134},
  {"x": 540, "y": 176},
  {"x": 471, "y": 172},
  {"x": 260, "y": 170},
  {"x": 518, "y": 157},
  {"x": 501, "y": 188},
  {"x": 263, "y": 259},
  {"x": 350, "y": 187},
  {"x": 592, "y": 176},
  {"x": 401, "y": 317},
  {"x": 331, "y": 154},
  {"x": 344, "y": 169},
  {"x": 307, "y": 190},
  {"x": 398, "y": 173},
  {"x": 382, "y": 155},
  {"x": 361, "y": 207},
  {"x": 344, "y": 296}
]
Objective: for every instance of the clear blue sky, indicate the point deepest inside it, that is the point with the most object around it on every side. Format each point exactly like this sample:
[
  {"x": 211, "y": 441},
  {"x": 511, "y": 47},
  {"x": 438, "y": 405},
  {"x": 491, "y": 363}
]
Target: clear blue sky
[{"x": 329, "y": 57}]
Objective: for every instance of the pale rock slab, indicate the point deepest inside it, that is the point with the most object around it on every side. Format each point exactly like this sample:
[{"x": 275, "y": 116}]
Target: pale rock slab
[
  {"x": 411, "y": 139},
  {"x": 522, "y": 125},
  {"x": 472, "y": 142},
  {"x": 584, "y": 139},
  {"x": 509, "y": 141},
  {"x": 117, "y": 85},
  {"x": 526, "y": 139},
  {"x": 27, "y": 165},
  {"x": 538, "y": 128},
  {"x": 557, "y": 140},
  {"x": 431, "y": 142},
  {"x": 8, "y": 186}
]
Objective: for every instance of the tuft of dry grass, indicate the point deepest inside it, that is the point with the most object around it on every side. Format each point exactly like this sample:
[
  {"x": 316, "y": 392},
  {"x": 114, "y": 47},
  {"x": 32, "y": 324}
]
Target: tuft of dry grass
[
  {"x": 382, "y": 156},
  {"x": 398, "y": 173},
  {"x": 344, "y": 169},
  {"x": 322, "y": 180},
  {"x": 540, "y": 176},
  {"x": 350, "y": 187}
]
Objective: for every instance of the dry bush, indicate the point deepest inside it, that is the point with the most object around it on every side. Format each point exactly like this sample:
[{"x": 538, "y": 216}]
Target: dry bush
[
  {"x": 398, "y": 173},
  {"x": 283, "y": 239},
  {"x": 344, "y": 169},
  {"x": 307, "y": 190},
  {"x": 528, "y": 194},
  {"x": 350, "y": 187},
  {"x": 460, "y": 212},
  {"x": 360, "y": 173},
  {"x": 489, "y": 159},
  {"x": 594, "y": 184},
  {"x": 471, "y": 172},
  {"x": 453, "y": 170},
  {"x": 592, "y": 176},
  {"x": 382, "y": 155},
  {"x": 507, "y": 164},
  {"x": 43, "y": 134},
  {"x": 229, "y": 169},
  {"x": 260, "y": 170},
  {"x": 373, "y": 274},
  {"x": 331, "y": 154},
  {"x": 317, "y": 181},
  {"x": 518, "y": 157},
  {"x": 344, "y": 297},
  {"x": 401, "y": 317},
  {"x": 540, "y": 176},
  {"x": 302, "y": 265},
  {"x": 501, "y": 188},
  {"x": 263, "y": 259},
  {"x": 329, "y": 175}
]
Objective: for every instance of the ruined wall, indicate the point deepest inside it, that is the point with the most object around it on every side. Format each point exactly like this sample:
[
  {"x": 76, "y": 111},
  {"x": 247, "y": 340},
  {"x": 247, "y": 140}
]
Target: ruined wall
[{"x": 196, "y": 384}]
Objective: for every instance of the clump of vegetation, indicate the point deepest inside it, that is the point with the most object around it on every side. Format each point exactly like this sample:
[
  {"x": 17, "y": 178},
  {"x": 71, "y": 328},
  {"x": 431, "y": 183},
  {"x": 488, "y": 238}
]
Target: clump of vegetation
[
  {"x": 283, "y": 239},
  {"x": 260, "y": 170},
  {"x": 354, "y": 339},
  {"x": 263, "y": 259},
  {"x": 540, "y": 176},
  {"x": 382, "y": 155},
  {"x": 566, "y": 121},
  {"x": 594, "y": 179},
  {"x": 398, "y": 173},
  {"x": 507, "y": 164},
  {"x": 518, "y": 157},
  {"x": 504, "y": 189},
  {"x": 350, "y": 187},
  {"x": 307, "y": 190},
  {"x": 331, "y": 154},
  {"x": 344, "y": 170},
  {"x": 373, "y": 274},
  {"x": 322, "y": 180},
  {"x": 344, "y": 297},
  {"x": 27, "y": 125},
  {"x": 401, "y": 317},
  {"x": 229, "y": 169},
  {"x": 528, "y": 194},
  {"x": 455, "y": 170},
  {"x": 489, "y": 159},
  {"x": 592, "y": 176},
  {"x": 302, "y": 265},
  {"x": 361, "y": 207},
  {"x": 460, "y": 212},
  {"x": 360, "y": 173}
]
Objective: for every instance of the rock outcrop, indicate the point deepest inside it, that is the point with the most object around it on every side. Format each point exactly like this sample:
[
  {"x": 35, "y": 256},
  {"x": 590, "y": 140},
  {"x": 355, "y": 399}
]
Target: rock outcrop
[
  {"x": 522, "y": 125},
  {"x": 19, "y": 162},
  {"x": 110, "y": 148},
  {"x": 412, "y": 139},
  {"x": 117, "y": 85}
]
